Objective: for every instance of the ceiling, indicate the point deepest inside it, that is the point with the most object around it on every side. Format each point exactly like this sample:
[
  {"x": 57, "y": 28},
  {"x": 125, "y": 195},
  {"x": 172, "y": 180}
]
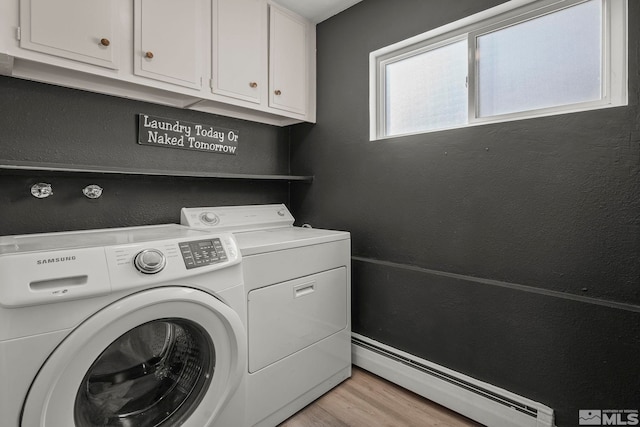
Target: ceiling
[{"x": 317, "y": 10}]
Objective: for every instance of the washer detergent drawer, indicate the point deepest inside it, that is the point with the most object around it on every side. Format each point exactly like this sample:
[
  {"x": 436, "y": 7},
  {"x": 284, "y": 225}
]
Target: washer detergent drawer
[{"x": 289, "y": 316}]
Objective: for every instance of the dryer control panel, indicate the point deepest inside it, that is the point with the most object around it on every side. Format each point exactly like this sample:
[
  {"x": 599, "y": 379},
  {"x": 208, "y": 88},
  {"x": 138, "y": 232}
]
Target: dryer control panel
[
  {"x": 202, "y": 252},
  {"x": 237, "y": 218}
]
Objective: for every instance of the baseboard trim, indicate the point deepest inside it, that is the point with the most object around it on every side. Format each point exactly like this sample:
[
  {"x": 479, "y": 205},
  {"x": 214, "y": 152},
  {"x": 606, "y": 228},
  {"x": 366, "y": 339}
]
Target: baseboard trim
[{"x": 479, "y": 401}]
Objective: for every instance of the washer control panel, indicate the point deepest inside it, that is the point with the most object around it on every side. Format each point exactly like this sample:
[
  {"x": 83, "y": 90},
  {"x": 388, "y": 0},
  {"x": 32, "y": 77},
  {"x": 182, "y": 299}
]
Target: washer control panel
[{"x": 202, "y": 252}]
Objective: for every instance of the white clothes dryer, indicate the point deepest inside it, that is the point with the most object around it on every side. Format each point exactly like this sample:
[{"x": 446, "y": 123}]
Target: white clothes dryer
[
  {"x": 140, "y": 326},
  {"x": 298, "y": 296}
]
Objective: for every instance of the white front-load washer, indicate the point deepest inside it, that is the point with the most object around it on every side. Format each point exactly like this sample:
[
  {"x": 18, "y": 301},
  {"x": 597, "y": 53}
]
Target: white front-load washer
[
  {"x": 140, "y": 326},
  {"x": 298, "y": 296}
]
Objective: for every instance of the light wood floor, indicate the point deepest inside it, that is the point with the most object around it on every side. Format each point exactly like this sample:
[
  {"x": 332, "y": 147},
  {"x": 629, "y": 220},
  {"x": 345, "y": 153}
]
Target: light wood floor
[{"x": 366, "y": 400}]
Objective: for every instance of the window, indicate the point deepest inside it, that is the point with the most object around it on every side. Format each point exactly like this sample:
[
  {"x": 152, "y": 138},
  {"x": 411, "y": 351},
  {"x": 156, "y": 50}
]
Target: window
[
  {"x": 521, "y": 59},
  {"x": 427, "y": 90}
]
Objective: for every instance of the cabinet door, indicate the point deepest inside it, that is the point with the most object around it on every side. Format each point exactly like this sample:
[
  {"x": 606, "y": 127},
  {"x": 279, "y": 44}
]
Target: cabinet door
[
  {"x": 168, "y": 41},
  {"x": 288, "y": 61},
  {"x": 239, "y": 49},
  {"x": 82, "y": 30}
]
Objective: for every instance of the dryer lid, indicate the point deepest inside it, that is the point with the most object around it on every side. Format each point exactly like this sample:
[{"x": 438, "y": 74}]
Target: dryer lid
[
  {"x": 258, "y": 228},
  {"x": 256, "y": 242}
]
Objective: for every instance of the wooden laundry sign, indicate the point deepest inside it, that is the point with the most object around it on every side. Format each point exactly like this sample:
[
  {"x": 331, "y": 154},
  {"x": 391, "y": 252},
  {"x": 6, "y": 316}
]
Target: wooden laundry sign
[{"x": 173, "y": 133}]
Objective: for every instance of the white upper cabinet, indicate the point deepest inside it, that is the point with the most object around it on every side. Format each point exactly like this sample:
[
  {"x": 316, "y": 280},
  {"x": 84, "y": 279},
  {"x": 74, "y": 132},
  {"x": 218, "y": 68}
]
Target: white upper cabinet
[
  {"x": 168, "y": 41},
  {"x": 265, "y": 55},
  {"x": 249, "y": 59},
  {"x": 82, "y": 30},
  {"x": 288, "y": 61},
  {"x": 239, "y": 57}
]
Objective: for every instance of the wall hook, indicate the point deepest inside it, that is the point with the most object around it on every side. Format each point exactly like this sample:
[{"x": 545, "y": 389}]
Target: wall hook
[
  {"x": 92, "y": 191},
  {"x": 41, "y": 190}
]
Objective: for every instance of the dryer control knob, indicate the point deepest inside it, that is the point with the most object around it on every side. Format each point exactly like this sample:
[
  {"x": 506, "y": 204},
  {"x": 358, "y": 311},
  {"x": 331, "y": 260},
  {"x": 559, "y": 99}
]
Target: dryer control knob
[
  {"x": 149, "y": 261},
  {"x": 209, "y": 218}
]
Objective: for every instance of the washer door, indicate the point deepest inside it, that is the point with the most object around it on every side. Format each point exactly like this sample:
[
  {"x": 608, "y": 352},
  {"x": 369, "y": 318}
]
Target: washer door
[{"x": 147, "y": 360}]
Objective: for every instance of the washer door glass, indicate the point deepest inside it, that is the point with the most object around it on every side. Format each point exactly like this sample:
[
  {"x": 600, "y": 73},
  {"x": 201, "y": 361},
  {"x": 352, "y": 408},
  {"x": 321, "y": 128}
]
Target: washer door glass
[{"x": 153, "y": 375}]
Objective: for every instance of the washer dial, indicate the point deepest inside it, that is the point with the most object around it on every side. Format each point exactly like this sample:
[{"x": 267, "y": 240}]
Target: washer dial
[{"x": 149, "y": 261}]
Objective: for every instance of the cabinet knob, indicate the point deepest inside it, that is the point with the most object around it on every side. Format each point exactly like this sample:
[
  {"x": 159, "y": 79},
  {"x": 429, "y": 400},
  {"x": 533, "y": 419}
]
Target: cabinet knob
[
  {"x": 253, "y": 85},
  {"x": 277, "y": 92},
  {"x": 104, "y": 42},
  {"x": 148, "y": 55}
]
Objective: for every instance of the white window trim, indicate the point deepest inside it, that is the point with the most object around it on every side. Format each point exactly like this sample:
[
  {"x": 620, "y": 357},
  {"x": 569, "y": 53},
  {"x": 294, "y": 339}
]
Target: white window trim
[{"x": 615, "y": 80}]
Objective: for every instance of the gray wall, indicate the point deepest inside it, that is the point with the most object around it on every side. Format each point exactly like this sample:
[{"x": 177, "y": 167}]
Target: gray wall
[
  {"x": 45, "y": 123},
  {"x": 509, "y": 252}
]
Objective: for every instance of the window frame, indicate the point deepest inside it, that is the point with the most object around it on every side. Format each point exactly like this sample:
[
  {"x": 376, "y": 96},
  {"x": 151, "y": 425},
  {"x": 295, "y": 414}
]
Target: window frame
[{"x": 614, "y": 85}]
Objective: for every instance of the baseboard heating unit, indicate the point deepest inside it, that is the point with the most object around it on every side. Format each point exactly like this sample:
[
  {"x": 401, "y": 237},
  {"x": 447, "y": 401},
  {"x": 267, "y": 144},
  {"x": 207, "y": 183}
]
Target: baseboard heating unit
[{"x": 474, "y": 399}]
